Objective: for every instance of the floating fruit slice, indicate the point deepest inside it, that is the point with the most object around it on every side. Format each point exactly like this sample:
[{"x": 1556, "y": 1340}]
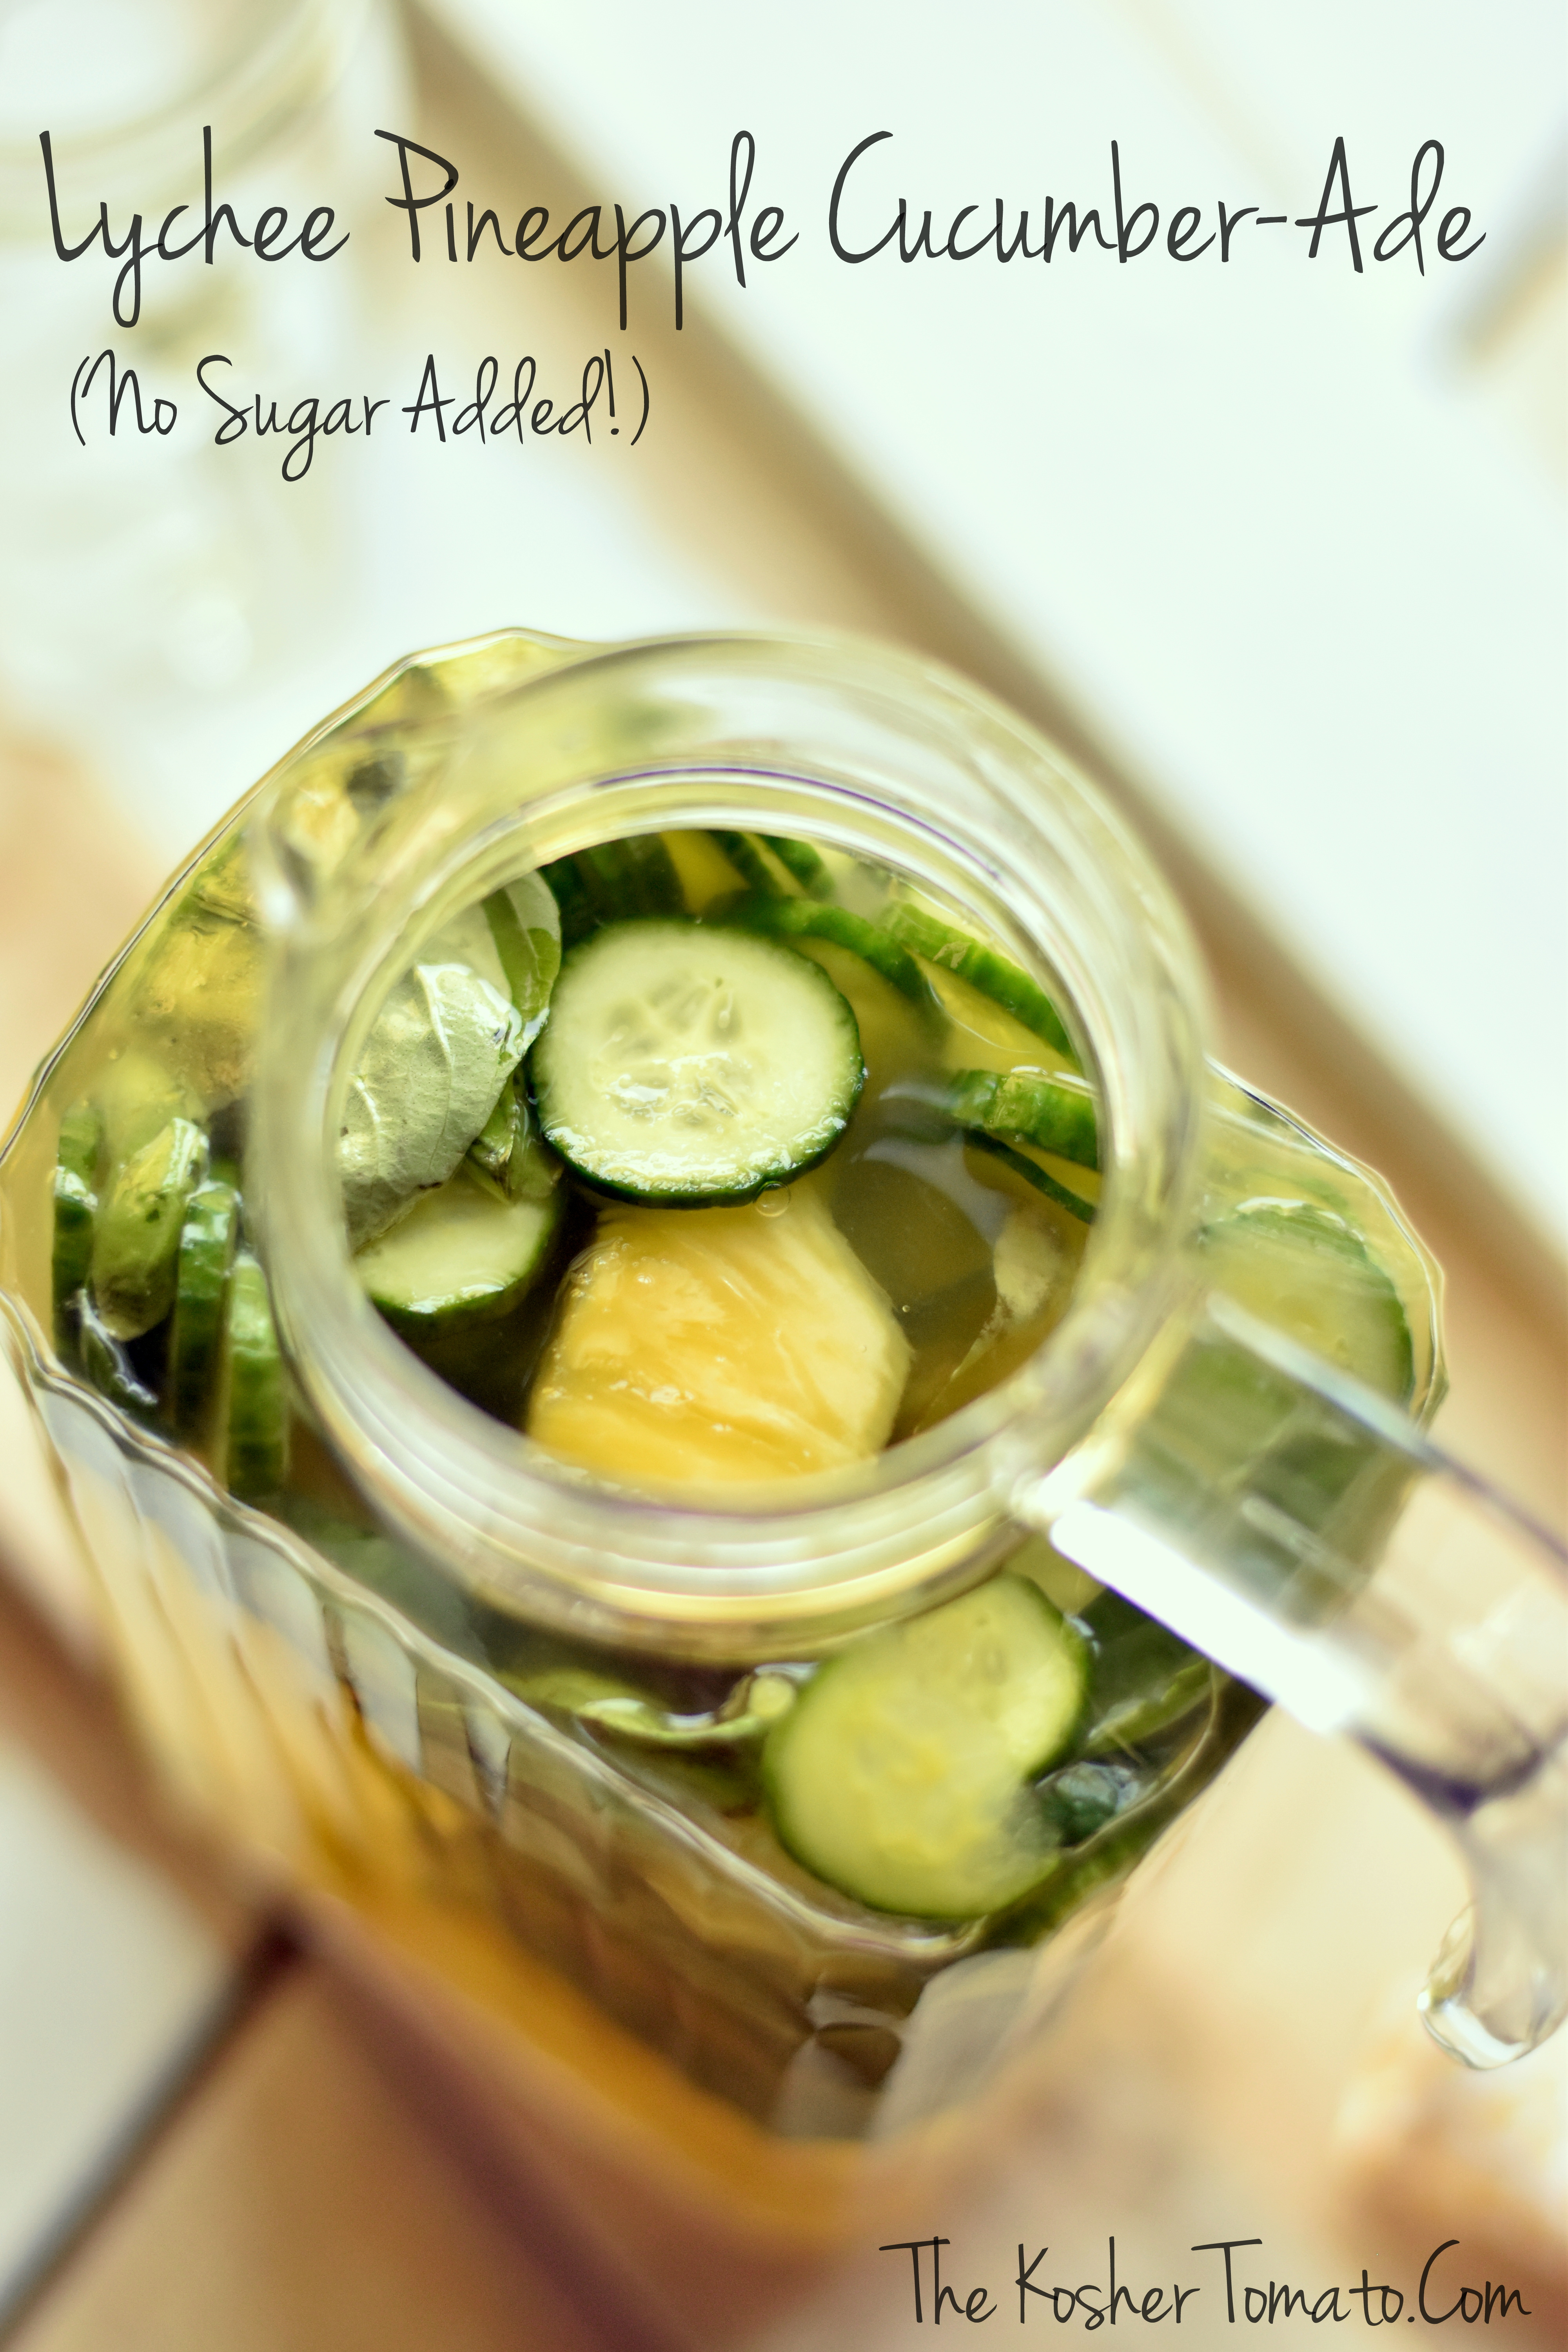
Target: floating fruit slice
[
  {"x": 463, "y": 1254},
  {"x": 1303, "y": 1270},
  {"x": 684, "y": 1062},
  {"x": 900, "y": 1774},
  {"x": 703, "y": 1347}
]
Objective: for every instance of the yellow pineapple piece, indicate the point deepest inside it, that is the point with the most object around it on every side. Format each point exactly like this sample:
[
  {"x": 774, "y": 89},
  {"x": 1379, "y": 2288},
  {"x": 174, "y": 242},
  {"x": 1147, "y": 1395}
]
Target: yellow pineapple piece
[{"x": 710, "y": 1346}]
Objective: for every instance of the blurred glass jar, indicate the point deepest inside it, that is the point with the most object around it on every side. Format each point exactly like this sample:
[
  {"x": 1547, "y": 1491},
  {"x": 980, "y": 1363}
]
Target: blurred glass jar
[{"x": 145, "y": 574}]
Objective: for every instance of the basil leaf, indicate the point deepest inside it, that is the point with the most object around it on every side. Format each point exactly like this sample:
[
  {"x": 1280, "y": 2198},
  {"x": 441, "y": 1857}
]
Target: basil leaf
[
  {"x": 525, "y": 923},
  {"x": 442, "y": 1047}
]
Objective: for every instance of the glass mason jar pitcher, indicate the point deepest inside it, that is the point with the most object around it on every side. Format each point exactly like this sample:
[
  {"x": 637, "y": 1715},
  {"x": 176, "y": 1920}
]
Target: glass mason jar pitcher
[{"x": 780, "y": 1602}]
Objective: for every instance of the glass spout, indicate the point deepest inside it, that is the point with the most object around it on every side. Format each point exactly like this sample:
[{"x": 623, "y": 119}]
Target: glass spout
[{"x": 1301, "y": 1531}]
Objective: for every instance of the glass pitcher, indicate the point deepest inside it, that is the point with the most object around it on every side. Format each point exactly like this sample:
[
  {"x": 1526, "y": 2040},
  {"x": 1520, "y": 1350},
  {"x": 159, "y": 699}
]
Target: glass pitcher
[{"x": 511, "y": 1715}]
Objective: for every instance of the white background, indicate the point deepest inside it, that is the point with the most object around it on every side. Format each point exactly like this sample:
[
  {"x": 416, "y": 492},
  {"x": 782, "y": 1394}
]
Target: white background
[{"x": 1294, "y": 566}]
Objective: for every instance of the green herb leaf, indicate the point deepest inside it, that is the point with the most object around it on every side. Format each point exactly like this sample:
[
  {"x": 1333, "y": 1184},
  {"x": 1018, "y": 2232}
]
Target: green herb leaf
[
  {"x": 525, "y": 923},
  {"x": 444, "y": 1044}
]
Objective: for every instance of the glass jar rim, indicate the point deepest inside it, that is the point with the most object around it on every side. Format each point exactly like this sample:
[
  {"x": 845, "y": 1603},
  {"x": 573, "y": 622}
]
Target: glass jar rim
[{"x": 851, "y": 742}]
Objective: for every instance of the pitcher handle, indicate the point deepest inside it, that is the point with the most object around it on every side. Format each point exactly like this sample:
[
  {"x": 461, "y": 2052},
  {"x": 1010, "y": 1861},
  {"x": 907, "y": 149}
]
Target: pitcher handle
[{"x": 1302, "y": 1532}]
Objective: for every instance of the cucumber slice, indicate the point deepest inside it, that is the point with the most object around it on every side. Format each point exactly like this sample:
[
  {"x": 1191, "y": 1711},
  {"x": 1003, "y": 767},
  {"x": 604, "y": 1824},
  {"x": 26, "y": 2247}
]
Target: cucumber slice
[
  {"x": 749, "y": 864},
  {"x": 461, "y": 1256},
  {"x": 624, "y": 1712},
  {"x": 690, "y": 1064},
  {"x": 633, "y": 877},
  {"x": 1304, "y": 1270},
  {"x": 251, "y": 1420},
  {"x": 982, "y": 968},
  {"x": 786, "y": 866},
  {"x": 79, "y": 1155},
  {"x": 207, "y": 1241},
  {"x": 1019, "y": 1163},
  {"x": 614, "y": 882},
  {"x": 705, "y": 873},
  {"x": 802, "y": 863},
  {"x": 807, "y": 918},
  {"x": 899, "y": 1775},
  {"x": 75, "y": 1211},
  {"x": 1032, "y": 1109},
  {"x": 136, "y": 1238}
]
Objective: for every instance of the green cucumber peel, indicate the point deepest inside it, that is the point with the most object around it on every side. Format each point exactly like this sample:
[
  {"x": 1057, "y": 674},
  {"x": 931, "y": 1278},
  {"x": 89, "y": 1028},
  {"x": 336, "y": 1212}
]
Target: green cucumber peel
[
  {"x": 1021, "y": 1104},
  {"x": 749, "y": 864},
  {"x": 802, "y": 863},
  {"x": 772, "y": 865},
  {"x": 253, "y": 1417},
  {"x": 208, "y": 1239},
  {"x": 808, "y": 919},
  {"x": 1032, "y": 1173},
  {"x": 634, "y": 876},
  {"x": 612, "y": 882},
  {"x": 990, "y": 974}
]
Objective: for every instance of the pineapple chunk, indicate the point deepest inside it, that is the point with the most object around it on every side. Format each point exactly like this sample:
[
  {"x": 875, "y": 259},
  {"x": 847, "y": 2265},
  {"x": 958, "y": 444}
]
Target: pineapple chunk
[{"x": 710, "y": 1346}]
